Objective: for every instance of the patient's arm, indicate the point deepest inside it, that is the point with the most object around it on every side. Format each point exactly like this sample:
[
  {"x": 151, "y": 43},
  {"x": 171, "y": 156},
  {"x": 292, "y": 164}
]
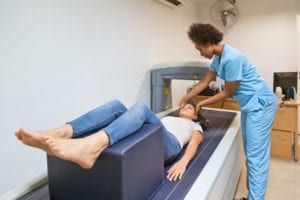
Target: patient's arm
[{"x": 178, "y": 169}]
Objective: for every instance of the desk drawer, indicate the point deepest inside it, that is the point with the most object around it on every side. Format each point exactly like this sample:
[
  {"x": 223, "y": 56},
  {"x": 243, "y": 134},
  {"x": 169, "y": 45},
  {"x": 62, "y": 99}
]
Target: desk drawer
[
  {"x": 286, "y": 119},
  {"x": 282, "y": 144}
]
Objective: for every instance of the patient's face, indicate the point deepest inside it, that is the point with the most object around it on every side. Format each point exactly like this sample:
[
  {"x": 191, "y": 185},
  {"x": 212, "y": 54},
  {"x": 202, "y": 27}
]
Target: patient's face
[{"x": 188, "y": 111}]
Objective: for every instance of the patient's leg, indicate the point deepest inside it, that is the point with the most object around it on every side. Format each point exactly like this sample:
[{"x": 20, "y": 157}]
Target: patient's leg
[
  {"x": 83, "y": 151},
  {"x": 36, "y": 138}
]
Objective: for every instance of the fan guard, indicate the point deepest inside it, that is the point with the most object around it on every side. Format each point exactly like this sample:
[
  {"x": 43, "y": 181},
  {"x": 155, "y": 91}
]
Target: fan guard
[{"x": 224, "y": 13}]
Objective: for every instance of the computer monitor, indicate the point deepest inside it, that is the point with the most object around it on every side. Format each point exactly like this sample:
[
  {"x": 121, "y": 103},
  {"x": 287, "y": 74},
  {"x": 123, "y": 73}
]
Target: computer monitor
[{"x": 285, "y": 80}]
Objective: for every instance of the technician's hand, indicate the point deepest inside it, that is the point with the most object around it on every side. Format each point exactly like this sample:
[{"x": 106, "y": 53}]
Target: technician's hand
[
  {"x": 183, "y": 102},
  {"x": 176, "y": 171},
  {"x": 198, "y": 107}
]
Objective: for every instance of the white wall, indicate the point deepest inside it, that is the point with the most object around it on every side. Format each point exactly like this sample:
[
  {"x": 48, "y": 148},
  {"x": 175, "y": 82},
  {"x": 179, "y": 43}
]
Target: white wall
[
  {"x": 265, "y": 32},
  {"x": 60, "y": 58},
  {"x": 298, "y": 44}
]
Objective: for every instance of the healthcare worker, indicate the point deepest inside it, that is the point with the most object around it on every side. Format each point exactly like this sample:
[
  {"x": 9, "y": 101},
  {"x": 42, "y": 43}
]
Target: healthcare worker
[{"x": 257, "y": 101}]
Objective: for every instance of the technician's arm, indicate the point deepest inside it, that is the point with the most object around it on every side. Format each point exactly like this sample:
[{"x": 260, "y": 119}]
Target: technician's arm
[
  {"x": 230, "y": 89},
  {"x": 178, "y": 169},
  {"x": 209, "y": 76}
]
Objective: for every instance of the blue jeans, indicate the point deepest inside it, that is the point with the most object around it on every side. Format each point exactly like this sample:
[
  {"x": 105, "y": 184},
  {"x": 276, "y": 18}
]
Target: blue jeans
[{"x": 118, "y": 123}]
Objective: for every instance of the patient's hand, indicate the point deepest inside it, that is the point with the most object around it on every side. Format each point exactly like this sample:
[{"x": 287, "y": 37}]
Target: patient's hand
[{"x": 177, "y": 170}]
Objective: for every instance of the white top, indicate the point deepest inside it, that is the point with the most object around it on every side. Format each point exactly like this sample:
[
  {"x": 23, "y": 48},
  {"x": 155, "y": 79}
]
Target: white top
[{"x": 181, "y": 128}]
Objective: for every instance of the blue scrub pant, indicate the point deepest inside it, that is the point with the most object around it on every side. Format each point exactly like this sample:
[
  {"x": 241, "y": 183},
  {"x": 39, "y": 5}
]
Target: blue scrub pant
[{"x": 256, "y": 130}]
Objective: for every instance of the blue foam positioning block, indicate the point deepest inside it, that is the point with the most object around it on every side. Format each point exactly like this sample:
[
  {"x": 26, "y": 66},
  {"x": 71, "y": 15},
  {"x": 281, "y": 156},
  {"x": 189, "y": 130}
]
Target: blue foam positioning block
[{"x": 131, "y": 169}]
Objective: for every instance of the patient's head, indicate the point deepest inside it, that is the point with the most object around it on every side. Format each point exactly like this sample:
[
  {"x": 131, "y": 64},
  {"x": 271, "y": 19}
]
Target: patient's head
[{"x": 189, "y": 112}]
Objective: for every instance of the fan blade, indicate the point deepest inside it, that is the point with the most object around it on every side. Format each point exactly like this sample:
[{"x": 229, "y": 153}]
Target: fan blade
[
  {"x": 230, "y": 12},
  {"x": 227, "y": 5},
  {"x": 224, "y": 20}
]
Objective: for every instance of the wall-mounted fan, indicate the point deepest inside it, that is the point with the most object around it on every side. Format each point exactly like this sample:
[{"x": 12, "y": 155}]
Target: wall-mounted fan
[{"x": 224, "y": 13}]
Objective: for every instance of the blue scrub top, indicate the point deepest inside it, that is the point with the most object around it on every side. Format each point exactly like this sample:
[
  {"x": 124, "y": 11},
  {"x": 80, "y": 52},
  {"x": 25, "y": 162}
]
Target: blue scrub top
[{"x": 252, "y": 92}]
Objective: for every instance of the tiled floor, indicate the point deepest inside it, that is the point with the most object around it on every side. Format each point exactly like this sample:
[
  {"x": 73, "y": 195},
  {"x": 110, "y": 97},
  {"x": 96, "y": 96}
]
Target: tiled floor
[{"x": 284, "y": 180}]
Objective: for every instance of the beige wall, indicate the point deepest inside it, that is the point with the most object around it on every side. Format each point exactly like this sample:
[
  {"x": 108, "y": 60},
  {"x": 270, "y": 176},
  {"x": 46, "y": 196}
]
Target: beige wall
[
  {"x": 265, "y": 32},
  {"x": 298, "y": 41}
]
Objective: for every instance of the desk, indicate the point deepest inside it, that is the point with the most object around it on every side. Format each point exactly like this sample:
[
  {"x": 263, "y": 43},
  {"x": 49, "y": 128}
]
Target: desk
[{"x": 284, "y": 136}]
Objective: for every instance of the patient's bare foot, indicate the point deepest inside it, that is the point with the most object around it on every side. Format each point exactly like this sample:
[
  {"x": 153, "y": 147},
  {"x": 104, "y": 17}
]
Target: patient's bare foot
[
  {"x": 34, "y": 139},
  {"x": 83, "y": 151},
  {"x": 37, "y": 138},
  {"x": 18, "y": 134}
]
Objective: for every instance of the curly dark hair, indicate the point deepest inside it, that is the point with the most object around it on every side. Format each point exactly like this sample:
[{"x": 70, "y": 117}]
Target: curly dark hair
[{"x": 204, "y": 34}]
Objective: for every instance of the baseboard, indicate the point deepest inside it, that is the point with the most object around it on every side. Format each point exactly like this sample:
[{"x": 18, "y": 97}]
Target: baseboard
[{"x": 24, "y": 189}]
